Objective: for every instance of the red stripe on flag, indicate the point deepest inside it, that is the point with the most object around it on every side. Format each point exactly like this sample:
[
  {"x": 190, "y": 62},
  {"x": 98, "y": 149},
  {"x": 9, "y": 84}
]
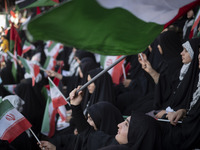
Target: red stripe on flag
[
  {"x": 196, "y": 23},
  {"x": 52, "y": 123},
  {"x": 16, "y": 129},
  {"x": 26, "y": 49},
  {"x": 117, "y": 71},
  {"x": 183, "y": 10},
  {"x": 12, "y": 14},
  {"x": 61, "y": 115},
  {"x": 58, "y": 101}
]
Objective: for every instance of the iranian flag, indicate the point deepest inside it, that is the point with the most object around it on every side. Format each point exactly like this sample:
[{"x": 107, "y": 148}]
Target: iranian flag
[
  {"x": 48, "y": 124},
  {"x": 108, "y": 27},
  {"x": 31, "y": 68},
  {"x": 12, "y": 122},
  {"x": 50, "y": 63},
  {"x": 56, "y": 96},
  {"x": 27, "y": 46},
  {"x": 53, "y": 48},
  {"x": 115, "y": 72},
  {"x": 15, "y": 40},
  {"x": 10, "y": 88}
]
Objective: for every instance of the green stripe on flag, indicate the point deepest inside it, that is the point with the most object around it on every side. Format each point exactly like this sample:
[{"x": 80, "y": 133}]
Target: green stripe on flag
[
  {"x": 14, "y": 71},
  {"x": 52, "y": 46},
  {"x": 47, "y": 62},
  {"x": 24, "y": 63},
  {"x": 5, "y": 106},
  {"x": 86, "y": 25},
  {"x": 46, "y": 118}
]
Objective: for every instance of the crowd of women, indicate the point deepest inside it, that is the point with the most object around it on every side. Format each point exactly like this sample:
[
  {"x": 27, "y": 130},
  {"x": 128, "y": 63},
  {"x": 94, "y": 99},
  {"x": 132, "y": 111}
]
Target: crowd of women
[{"x": 156, "y": 108}]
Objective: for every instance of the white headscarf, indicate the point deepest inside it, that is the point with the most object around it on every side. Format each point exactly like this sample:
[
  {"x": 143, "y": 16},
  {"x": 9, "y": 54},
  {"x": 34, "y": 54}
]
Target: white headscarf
[{"x": 185, "y": 67}]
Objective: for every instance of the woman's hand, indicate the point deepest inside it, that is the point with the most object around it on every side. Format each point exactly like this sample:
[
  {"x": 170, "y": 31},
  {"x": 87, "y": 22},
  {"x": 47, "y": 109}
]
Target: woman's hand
[
  {"x": 76, "y": 99},
  {"x": 174, "y": 117},
  {"x": 126, "y": 82},
  {"x": 160, "y": 114},
  {"x": 45, "y": 145},
  {"x": 147, "y": 67},
  {"x": 52, "y": 73}
]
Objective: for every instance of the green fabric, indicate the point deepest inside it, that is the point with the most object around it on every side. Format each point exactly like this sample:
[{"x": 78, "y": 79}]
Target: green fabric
[
  {"x": 46, "y": 118},
  {"x": 5, "y": 106},
  {"x": 86, "y": 25},
  {"x": 40, "y": 3}
]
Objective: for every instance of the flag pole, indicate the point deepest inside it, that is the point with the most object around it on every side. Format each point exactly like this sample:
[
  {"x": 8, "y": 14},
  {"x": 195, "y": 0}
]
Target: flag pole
[
  {"x": 35, "y": 136},
  {"x": 99, "y": 74},
  {"x": 59, "y": 91}
]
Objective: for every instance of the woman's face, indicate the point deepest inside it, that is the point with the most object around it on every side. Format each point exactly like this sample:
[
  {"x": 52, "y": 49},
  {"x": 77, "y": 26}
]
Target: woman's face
[
  {"x": 91, "y": 122},
  {"x": 185, "y": 57},
  {"x": 91, "y": 87},
  {"x": 122, "y": 135},
  {"x": 190, "y": 14}
]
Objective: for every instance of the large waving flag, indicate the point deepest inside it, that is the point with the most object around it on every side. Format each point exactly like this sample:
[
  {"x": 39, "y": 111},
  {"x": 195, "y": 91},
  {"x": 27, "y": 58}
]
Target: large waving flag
[
  {"x": 23, "y": 4},
  {"x": 12, "y": 122},
  {"x": 108, "y": 27}
]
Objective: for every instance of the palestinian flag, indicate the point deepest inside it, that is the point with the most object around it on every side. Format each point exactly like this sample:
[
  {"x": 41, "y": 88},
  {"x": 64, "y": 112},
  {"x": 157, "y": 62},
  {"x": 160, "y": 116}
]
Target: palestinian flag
[
  {"x": 56, "y": 96},
  {"x": 108, "y": 27},
  {"x": 115, "y": 72},
  {"x": 12, "y": 122}
]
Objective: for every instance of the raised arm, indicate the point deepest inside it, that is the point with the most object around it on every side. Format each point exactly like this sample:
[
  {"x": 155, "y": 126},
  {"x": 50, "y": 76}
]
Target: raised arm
[{"x": 146, "y": 65}]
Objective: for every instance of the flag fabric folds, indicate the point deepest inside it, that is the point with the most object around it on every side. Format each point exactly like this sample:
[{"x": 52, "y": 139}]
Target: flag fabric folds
[
  {"x": 12, "y": 122},
  {"x": 115, "y": 72},
  {"x": 48, "y": 124},
  {"x": 27, "y": 46},
  {"x": 105, "y": 27},
  {"x": 56, "y": 96},
  {"x": 10, "y": 88},
  {"x": 31, "y": 68},
  {"x": 15, "y": 41}
]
